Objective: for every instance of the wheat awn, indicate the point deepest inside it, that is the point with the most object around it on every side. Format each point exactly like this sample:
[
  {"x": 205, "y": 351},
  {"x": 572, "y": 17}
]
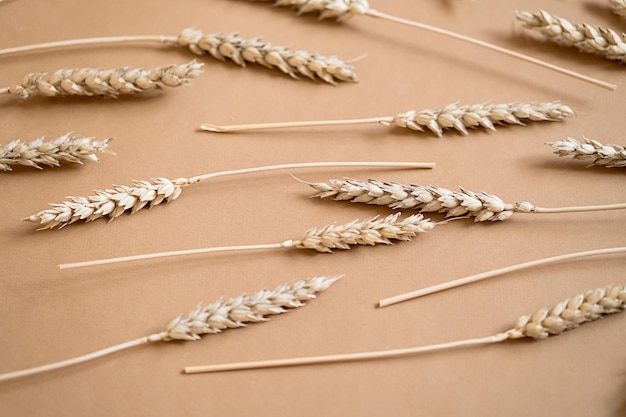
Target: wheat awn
[
  {"x": 566, "y": 315},
  {"x": 214, "y": 318},
  {"x": 70, "y": 147}
]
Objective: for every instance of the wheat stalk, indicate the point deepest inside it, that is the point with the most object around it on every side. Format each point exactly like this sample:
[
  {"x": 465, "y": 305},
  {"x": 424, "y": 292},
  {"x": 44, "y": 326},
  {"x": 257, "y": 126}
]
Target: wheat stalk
[
  {"x": 619, "y": 7},
  {"x": 113, "y": 202},
  {"x": 103, "y": 82},
  {"x": 494, "y": 273},
  {"x": 566, "y": 315},
  {"x": 433, "y": 198},
  {"x": 341, "y": 9},
  {"x": 437, "y": 120},
  {"x": 227, "y": 47},
  {"x": 371, "y": 232},
  {"x": 70, "y": 147},
  {"x": 214, "y": 318},
  {"x": 610, "y": 156},
  {"x": 584, "y": 37}
]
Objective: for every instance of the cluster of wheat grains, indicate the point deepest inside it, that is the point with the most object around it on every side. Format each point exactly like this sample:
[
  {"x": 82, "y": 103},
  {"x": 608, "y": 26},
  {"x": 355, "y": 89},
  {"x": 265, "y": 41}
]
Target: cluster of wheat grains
[
  {"x": 619, "y": 7},
  {"x": 433, "y": 198},
  {"x": 240, "y": 50},
  {"x": 104, "y": 82},
  {"x": 229, "y": 313},
  {"x": 326, "y": 9},
  {"x": 566, "y": 315},
  {"x": 584, "y": 37},
  {"x": 70, "y": 147},
  {"x": 610, "y": 156}
]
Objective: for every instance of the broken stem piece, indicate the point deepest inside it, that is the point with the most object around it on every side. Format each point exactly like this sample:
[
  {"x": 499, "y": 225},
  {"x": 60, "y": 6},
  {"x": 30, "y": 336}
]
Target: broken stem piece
[{"x": 490, "y": 274}]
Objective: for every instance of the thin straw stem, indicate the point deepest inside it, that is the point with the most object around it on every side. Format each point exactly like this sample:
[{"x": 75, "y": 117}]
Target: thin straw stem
[
  {"x": 88, "y": 41},
  {"x": 418, "y": 165},
  {"x": 600, "y": 83},
  {"x": 171, "y": 253},
  {"x": 79, "y": 359},
  {"x": 232, "y": 128},
  {"x": 574, "y": 209},
  {"x": 490, "y": 274},
  {"x": 349, "y": 357}
]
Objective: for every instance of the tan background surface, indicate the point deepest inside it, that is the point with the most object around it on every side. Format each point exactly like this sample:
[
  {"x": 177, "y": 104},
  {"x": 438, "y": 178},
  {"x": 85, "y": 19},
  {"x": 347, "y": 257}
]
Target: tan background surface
[{"x": 48, "y": 315}]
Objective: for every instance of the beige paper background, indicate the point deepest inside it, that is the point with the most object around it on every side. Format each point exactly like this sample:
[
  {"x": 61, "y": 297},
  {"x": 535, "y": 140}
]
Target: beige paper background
[{"x": 49, "y": 315}]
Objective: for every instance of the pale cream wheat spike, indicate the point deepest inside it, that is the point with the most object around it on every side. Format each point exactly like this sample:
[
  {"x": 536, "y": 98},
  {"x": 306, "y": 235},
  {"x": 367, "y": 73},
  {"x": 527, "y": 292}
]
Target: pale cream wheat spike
[
  {"x": 437, "y": 120},
  {"x": 610, "y": 156},
  {"x": 342, "y": 9},
  {"x": 566, "y": 315},
  {"x": 70, "y": 147},
  {"x": 372, "y": 231},
  {"x": 619, "y": 7},
  {"x": 227, "y": 47},
  {"x": 433, "y": 198},
  {"x": 113, "y": 82},
  {"x": 584, "y": 37},
  {"x": 214, "y": 318},
  {"x": 494, "y": 273},
  {"x": 294, "y": 63},
  {"x": 113, "y": 202}
]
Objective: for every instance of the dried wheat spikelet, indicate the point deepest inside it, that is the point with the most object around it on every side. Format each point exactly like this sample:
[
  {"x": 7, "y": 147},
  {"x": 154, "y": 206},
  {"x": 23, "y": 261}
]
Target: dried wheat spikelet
[
  {"x": 433, "y": 198},
  {"x": 342, "y": 9},
  {"x": 437, "y": 120},
  {"x": 619, "y": 7},
  {"x": 228, "y": 47},
  {"x": 372, "y": 231},
  {"x": 113, "y": 202},
  {"x": 566, "y": 315},
  {"x": 104, "y": 82},
  {"x": 584, "y": 37},
  {"x": 610, "y": 156},
  {"x": 294, "y": 63},
  {"x": 70, "y": 147},
  {"x": 494, "y": 273},
  {"x": 230, "y": 313}
]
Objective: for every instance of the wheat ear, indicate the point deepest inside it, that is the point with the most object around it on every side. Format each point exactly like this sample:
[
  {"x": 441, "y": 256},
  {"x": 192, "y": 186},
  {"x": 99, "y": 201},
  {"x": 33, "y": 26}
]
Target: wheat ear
[
  {"x": 496, "y": 272},
  {"x": 619, "y": 7},
  {"x": 70, "y": 147},
  {"x": 341, "y": 9},
  {"x": 610, "y": 156},
  {"x": 214, "y": 318},
  {"x": 433, "y": 198},
  {"x": 584, "y": 37},
  {"x": 566, "y": 315},
  {"x": 372, "y": 231},
  {"x": 113, "y": 82},
  {"x": 437, "y": 120},
  {"x": 227, "y": 47},
  {"x": 114, "y": 202}
]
